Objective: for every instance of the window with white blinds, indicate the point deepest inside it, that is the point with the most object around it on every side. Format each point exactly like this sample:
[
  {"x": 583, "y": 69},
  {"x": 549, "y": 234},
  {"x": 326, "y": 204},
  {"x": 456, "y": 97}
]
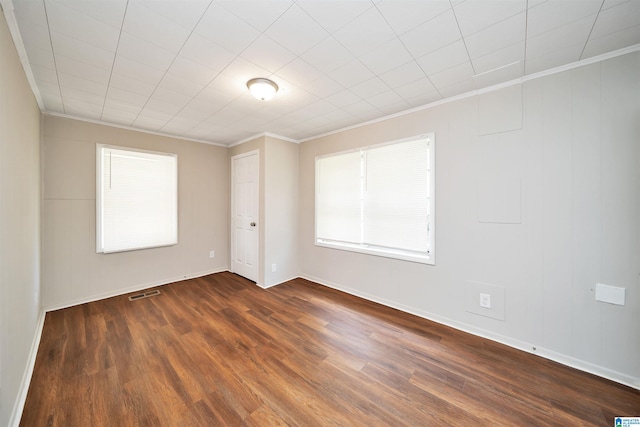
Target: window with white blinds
[
  {"x": 136, "y": 199},
  {"x": 378, "y": 200}
]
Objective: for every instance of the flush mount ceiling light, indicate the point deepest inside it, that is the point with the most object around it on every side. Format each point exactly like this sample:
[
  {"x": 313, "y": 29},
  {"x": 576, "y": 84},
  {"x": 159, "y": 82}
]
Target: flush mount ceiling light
[{"x": 262, "y": 89}]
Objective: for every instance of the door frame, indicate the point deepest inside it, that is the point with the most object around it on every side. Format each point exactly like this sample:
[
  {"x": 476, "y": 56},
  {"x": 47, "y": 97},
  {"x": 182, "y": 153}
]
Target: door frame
[{"x": 231, "y": 212}]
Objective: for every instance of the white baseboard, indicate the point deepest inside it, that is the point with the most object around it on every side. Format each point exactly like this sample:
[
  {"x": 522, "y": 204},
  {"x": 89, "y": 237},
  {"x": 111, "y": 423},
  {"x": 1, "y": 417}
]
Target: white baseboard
[
  {"x": 278, "y": 283},
  {"x": 598, "y": 370},
  {"x": 122, "y": 291},
  {"x": 563, "y": 359},
  {"x": 18, "y": 406}
]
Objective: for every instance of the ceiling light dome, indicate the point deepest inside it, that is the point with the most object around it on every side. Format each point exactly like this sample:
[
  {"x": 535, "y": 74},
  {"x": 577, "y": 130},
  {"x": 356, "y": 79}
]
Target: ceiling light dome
[{"x": 262, "y": 89}]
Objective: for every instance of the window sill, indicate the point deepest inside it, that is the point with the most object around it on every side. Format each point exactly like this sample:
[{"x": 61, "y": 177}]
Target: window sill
[{"x": 383, "y": 252}]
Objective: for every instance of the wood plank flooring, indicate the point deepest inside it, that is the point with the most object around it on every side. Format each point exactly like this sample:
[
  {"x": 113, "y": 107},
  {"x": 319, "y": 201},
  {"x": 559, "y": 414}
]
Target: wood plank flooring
[{"x": 218, "y": 350}]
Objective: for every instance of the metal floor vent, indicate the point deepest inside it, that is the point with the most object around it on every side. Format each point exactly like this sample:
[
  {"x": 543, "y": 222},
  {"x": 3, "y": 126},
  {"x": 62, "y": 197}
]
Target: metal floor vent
[{"x": 147, "y": 294}]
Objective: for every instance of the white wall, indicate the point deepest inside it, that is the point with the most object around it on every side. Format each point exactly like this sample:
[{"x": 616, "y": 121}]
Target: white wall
[
  {"x": 72, "y": 271},
  {"x": 19, "y": 226},
  {"x": 281, "y": 211},
  {"x": 278, "y": 205},
  {"x": 536, "y": 201}
]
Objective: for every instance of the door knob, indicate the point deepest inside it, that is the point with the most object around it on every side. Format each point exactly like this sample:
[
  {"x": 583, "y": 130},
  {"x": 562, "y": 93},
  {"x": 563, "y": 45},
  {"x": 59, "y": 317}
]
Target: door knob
[{"x": 253, "y": 224}]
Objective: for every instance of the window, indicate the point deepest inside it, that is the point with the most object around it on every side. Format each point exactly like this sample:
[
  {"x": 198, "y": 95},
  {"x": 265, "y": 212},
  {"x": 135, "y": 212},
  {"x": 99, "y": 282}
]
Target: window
[
  {"x": 378, "y": 200},
  {"x": 136, "y": 199}
]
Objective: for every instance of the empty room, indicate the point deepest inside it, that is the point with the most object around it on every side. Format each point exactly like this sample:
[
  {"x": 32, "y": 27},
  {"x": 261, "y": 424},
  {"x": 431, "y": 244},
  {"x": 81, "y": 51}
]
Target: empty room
[{"x": 319, "y": 212}]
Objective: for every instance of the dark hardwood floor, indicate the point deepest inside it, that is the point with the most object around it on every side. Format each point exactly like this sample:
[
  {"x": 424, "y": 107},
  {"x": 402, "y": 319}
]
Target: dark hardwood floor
[{"x": 218, "y": 350}]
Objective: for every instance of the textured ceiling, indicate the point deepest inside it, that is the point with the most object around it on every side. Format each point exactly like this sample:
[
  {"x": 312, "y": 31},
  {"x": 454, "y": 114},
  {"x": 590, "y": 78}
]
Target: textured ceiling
[{"x": 179, "y": 67}]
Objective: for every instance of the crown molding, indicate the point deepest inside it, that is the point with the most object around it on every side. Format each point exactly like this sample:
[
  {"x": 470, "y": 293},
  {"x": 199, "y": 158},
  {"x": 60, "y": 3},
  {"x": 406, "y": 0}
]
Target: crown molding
[
  {"x": 7, "y": 7},
  {"x": 150, "y": 132},
  {"x": 260, "y": 135},
  {"x": 520, "y": 80},
  {"x": 12, "y": 23}
]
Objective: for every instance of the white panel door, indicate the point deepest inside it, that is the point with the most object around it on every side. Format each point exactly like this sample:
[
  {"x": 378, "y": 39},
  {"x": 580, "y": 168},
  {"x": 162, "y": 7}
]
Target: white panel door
[{"x": 244, "y": 215}]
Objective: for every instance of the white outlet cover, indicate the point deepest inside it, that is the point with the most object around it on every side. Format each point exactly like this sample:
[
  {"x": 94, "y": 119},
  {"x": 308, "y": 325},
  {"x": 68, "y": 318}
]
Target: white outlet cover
[
  {"x": 485, "y": 300},
  {"x": 610, "y": 294},
  {"x": 497, "y": 299}
]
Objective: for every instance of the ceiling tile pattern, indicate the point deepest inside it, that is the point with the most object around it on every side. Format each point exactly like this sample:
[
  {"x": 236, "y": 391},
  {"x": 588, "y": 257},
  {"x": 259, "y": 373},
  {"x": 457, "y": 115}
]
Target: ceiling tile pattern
[{"x": 180, "y": 67}]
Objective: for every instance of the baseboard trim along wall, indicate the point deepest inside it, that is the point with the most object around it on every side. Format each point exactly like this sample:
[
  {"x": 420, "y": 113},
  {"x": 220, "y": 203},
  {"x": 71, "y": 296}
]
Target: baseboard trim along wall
[
  {"x": 511, "y": 342},
  {"x": 18, "y": 406},
  {"x": 563, "y": 359},
  {"x": 276, "y": 284},
  {"x": 135, "y": 288}
]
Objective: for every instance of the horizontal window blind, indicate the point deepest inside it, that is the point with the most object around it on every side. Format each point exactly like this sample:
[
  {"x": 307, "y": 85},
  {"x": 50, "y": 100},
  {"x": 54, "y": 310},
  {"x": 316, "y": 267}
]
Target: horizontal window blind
[
  {"x": 378, "y": 200},
  {"x": 338, "y": 214},
  {"x": 137, "y": 205},
  {"x": 396, "y": 197}
]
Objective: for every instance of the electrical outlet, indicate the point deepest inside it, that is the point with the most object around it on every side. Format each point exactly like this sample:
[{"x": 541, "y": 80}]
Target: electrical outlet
[
  {"x": 485, "y": 300},
  {"x": 273, "y": 268},
  {"x": 212, "y": 254}
]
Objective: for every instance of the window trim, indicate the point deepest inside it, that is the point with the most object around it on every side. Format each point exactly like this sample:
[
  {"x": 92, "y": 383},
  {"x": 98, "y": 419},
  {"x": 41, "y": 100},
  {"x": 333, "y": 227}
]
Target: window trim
[
  {"x": 99, "y": 182},
  {"x": 404, "y": 255}
]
